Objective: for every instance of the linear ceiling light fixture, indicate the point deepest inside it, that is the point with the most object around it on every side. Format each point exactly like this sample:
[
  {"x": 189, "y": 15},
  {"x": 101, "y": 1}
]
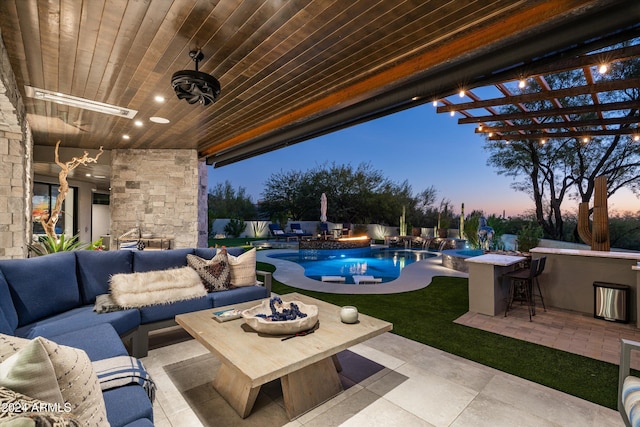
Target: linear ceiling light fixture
[{"x": 74, "y": 101}]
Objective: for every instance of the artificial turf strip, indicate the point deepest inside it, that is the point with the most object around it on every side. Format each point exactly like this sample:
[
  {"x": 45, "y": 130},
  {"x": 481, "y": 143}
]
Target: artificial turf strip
[{"x": 427, "y": 316}]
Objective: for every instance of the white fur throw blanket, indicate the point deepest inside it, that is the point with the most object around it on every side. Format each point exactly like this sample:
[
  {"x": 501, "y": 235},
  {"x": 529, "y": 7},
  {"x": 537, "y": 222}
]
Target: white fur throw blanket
[{"x": 156, "y": 287}]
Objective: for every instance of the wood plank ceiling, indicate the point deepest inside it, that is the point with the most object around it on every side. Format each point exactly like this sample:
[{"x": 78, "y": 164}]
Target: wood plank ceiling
[{"x": 289, "y": 70}]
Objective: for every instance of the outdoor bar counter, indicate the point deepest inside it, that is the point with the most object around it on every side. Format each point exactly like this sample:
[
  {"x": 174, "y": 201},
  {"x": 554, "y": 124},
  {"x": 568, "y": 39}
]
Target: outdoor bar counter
[
  {"x": 488, "y": 291},
  {"x": 567, "y": 281}
]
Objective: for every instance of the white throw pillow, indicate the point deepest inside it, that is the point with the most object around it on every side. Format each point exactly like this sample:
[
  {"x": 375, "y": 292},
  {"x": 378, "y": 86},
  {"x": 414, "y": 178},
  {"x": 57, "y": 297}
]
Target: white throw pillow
[
  {"x": 243, "y": 268},
  {"x": 156, "y": 287},
  {"x": 278, "y": 232}
]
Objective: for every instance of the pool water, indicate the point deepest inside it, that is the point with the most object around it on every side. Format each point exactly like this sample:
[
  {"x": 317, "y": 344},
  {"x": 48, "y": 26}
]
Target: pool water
[{"x": 380, "y": 263}]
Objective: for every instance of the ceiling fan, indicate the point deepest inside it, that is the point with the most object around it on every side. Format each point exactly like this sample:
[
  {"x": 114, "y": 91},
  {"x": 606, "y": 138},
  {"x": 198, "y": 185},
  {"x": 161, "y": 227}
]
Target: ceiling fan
[{"x": 195, "y": 86}]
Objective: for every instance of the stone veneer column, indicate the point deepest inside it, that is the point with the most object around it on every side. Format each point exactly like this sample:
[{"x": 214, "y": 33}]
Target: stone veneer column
[
  {"x": 158, "y": 190},
  {"x": 16, "y": 159}
]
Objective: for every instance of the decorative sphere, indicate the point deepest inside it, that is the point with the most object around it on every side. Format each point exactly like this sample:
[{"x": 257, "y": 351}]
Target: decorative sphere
[{"x": 349, "y": 314}]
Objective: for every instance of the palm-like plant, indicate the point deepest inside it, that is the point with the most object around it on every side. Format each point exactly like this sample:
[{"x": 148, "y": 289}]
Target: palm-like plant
[{"x": 48, "y": 244}]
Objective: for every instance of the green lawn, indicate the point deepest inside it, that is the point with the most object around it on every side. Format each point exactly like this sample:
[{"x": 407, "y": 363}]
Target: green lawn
[{"x": 427, "y": 316}]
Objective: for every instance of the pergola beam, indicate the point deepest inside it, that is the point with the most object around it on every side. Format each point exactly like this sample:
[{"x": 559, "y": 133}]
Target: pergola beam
[
  {"x": 568, "y": 134},
  {"x": 606, "y": 86},
  {"x": 581, "y": 109},
  {"x": 561, "y": 125}
]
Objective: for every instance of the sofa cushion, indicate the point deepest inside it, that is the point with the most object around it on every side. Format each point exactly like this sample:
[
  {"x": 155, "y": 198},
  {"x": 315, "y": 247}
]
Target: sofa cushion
[
  {"x": 243, "y": 268},
  {"x": 127, "y": 404},
  {"x": 8, "y": 315},
  {"x": 214, "y": 273},
  {"x": 142, "y": 422},
  {"x": 208, "y": 253},
  {"x": 95, "y": 268},
  {"x": 99, "y": 341},
  {"x": 43, "y": 286},
  {"x": 155, "y": 313},
  {"x": 77, "y": 318},
  {"x": 238, "y": 295},
  {"x": 159, "y": 260}
]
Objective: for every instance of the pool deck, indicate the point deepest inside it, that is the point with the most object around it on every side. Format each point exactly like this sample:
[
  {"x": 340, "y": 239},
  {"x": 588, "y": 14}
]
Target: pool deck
[{"x": 415, "y": 276}]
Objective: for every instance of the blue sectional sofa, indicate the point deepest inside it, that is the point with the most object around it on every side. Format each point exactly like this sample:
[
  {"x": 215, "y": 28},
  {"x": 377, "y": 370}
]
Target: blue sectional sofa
[{"x": 53, "y": 296}]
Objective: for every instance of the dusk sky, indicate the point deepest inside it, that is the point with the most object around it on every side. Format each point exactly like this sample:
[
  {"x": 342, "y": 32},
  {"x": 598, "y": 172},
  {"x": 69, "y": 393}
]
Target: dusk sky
[{"x": 418, "y": 145}]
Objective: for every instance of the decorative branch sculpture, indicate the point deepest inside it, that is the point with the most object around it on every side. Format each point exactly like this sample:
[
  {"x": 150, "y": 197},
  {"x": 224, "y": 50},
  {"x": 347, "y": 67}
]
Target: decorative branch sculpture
[
  {"x": 598, "y": 239},
  {"x": 49, "y": 224}
]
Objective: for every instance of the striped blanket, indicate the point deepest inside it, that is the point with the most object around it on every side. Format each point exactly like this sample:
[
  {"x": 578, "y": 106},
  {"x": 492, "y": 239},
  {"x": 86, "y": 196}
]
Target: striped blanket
[{"x": 122, "y": 370}]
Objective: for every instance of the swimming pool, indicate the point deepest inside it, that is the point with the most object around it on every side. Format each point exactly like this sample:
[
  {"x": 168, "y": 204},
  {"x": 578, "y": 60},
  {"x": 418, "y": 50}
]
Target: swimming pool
[{"x": 385, "y": 264}]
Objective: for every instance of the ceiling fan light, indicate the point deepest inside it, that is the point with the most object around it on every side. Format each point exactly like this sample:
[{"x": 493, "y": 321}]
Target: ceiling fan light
[{"x": 195, "y": 86}]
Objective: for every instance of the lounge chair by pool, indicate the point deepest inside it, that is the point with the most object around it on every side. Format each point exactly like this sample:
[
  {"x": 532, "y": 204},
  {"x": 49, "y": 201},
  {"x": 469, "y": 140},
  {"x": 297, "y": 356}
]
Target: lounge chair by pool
[
  {"x": 333, "y": 278},
  {"x": 361, "y": 280},
  {"x": 279, "y": 233}
]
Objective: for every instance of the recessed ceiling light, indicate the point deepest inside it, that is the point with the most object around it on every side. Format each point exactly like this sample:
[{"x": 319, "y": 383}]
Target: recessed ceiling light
[
  {"x": 87, "y": 174},
  {"x": 74, "y": 101},
  {"x": 159, "y": 98},
  {"x": 126, "y": 137},
  {"x": 138, "y": 123},
  {"x": 159, "y": 120}
]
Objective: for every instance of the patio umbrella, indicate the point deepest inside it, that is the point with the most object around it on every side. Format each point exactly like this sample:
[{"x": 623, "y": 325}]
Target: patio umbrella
[{"x": 323, "y": 208}]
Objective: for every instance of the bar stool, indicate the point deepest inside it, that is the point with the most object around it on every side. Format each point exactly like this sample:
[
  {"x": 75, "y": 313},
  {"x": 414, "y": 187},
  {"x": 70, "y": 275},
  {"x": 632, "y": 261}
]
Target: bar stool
[
  {"x": 541, "y": 263},
  {"x": 521, "y": 287}
]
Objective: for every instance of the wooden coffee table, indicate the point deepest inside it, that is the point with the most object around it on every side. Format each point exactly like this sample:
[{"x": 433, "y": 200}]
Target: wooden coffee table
[{"x": 306, "y": 365}]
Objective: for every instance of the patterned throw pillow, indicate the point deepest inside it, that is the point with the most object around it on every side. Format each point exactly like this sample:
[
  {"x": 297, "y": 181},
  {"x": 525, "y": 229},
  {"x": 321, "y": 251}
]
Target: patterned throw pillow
[
  {"x": 243, "y": 268},
  {"x": 9, "y": 345},
  {"x": 30, "y": 372},
  {"x": 78, "y": 383},
  {"x": 215, "y": 273}
]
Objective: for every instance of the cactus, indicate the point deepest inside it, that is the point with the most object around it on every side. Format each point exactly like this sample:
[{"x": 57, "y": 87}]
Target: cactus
[{"x": 597, "y": 236}]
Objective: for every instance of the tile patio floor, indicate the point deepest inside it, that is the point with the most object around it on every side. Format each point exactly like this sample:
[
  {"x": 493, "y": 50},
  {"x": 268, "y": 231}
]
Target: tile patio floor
[{"x": 392, "y": 381}]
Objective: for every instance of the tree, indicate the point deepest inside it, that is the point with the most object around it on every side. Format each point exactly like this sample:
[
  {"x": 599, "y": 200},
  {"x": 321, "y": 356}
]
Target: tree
[
  {"x": 357, "y": 195},
  {"x": 566, "y": 168},
  {"x": 226, "y": 202}
]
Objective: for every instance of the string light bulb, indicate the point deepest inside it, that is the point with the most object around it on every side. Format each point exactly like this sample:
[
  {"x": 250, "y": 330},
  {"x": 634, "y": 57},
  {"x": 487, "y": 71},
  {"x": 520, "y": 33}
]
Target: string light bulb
[
  {"x": 461, "y": 93},
  {"x": 603, "y": 68},
  {"x": 435, "y": 103},
  {"x": 543, "y": 141},
  {"x": 452, "y": 113},
  {"x": 522, "y": 83},
  {"x": 585, "y": 139},
  {"x": 636, "y": 138}
]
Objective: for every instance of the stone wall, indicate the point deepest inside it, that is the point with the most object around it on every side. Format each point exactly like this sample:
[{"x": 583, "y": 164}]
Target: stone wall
[
  {"x": 16, "y": 159},
  {"x": 159, "y": 191}
]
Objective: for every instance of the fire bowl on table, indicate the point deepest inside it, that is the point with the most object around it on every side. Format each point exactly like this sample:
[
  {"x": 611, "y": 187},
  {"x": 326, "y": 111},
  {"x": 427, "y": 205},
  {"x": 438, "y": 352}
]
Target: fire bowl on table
[{"x": 281, "y": 327}]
